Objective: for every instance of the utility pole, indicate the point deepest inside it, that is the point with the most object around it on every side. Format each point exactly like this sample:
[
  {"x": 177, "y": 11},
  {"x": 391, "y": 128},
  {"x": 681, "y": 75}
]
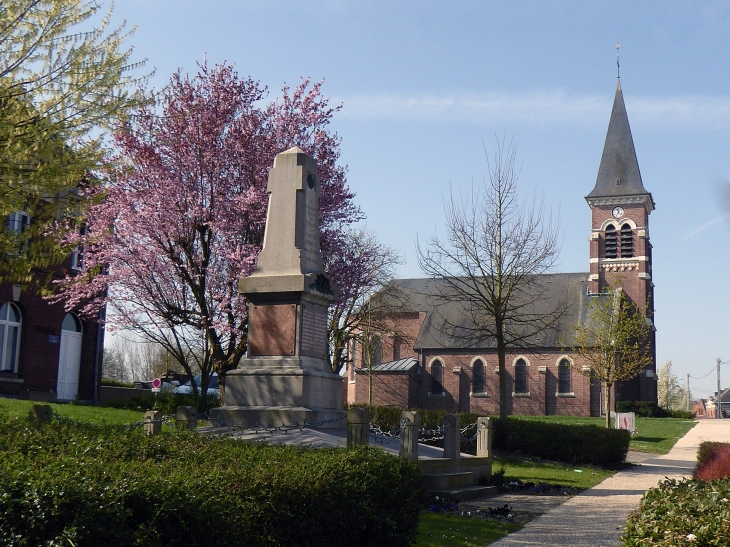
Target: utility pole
[
  {"x": 689, "y": 402},
  {"x": 719, "y": 404}
]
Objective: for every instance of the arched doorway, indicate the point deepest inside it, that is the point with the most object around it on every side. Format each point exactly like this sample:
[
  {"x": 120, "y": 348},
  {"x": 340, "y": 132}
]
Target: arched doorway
[{"x": 69, "y": 358}]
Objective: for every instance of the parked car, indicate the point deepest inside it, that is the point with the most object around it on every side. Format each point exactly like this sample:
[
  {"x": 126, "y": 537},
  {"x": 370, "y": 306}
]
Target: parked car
[{"x": 187, "y": 387}]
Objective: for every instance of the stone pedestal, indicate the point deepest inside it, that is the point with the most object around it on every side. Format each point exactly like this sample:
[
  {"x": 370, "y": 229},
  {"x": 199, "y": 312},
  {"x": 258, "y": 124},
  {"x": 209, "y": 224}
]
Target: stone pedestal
[{"x": 285, "y": 378}]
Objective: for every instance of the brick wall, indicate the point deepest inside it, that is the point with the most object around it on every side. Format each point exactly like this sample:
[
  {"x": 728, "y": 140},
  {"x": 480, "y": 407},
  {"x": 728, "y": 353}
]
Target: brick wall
[{"x": 40, "y": 336}]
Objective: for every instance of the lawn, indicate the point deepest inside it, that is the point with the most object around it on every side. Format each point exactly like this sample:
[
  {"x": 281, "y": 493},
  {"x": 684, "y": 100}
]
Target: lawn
[
  {"x": 13, "y": 408},
  {"x": 656, "y": 435},
  {"x": 553, "y": 473},
  {"x": 440, "y": 530}
]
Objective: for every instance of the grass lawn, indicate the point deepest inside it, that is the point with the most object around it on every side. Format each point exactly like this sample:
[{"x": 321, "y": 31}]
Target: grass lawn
[
  {"x": 656, "y": 435},
  {"x": 554, "y": 473},
  {"x": 13, "y": 408},
  {"x": 439, "y": 530}
]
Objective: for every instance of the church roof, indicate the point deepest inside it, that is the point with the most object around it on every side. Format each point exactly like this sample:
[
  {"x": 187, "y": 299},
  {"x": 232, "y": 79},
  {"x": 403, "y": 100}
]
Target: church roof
[
  {"x": 618, "y": 173},
  {"x": 446, "y": 326}
]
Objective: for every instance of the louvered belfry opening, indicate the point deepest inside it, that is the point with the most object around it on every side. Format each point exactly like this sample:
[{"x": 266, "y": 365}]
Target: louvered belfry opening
[
  {"x": 627, "y": 241},
  {"x": 611, "y": 242}
]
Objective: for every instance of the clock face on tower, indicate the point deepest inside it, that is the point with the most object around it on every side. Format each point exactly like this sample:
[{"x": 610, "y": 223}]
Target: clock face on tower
[{"x": 617, "y": 212}]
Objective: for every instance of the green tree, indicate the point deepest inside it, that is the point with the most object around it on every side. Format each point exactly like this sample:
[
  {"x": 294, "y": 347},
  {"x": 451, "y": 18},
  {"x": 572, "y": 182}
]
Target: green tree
[
  {"x": 612, "y": 341},
  {"x": 63, "y": 82}
]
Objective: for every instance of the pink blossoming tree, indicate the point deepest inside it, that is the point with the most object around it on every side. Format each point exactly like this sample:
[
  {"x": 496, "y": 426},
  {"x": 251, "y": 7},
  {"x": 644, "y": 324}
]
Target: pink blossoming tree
[{"x": 182, "y": 219}]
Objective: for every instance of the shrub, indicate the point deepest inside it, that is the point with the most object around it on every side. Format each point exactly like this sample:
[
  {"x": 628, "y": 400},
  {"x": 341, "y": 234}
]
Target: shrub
[
  {"x": 569, "y": 443},
  {"x": 115, "y": 383},
  {"x": 715, "y": 462},
  {"x": 687, "y": 512},
  {"x": 649, "y": 409},
  {"x": 67, "y": 484}
]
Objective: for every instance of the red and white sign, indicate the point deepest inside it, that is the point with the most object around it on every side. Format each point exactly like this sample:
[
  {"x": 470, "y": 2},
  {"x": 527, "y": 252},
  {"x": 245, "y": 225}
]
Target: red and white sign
[{"x": 626, "y": 420}]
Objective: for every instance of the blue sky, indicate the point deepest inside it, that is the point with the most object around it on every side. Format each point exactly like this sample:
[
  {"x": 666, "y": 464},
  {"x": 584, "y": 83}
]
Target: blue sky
[{"x": 424, "y": 84}]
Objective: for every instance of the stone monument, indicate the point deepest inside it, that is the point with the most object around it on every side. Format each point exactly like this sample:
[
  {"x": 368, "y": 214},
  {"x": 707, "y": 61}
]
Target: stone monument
[{"x": 285, "y": 378}]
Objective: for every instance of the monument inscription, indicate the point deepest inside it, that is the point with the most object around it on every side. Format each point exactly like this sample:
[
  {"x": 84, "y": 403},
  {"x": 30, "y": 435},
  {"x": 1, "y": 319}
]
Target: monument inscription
[{"x": 314, "y": 330}]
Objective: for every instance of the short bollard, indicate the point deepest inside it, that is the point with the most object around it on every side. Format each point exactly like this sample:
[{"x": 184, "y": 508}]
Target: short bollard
[
  {"x": 410, "y": 424},
  {"x": 40, "y": 414},
  {"x": 358, "y": 426},
  {"x": 186, "y": 417},
  {"x": 152, "y": 422},
  {"x": 484, "y": 437},
  {"x": 452, "y": 439}
]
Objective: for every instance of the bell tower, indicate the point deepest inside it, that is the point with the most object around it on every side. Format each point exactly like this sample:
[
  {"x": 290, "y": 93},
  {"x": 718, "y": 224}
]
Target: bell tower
[{"x": 620, "y": 249}]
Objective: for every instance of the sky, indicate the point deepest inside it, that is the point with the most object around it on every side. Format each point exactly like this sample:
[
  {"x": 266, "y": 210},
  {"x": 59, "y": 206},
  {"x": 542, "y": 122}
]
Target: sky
[{"x": 427, "y": 88}]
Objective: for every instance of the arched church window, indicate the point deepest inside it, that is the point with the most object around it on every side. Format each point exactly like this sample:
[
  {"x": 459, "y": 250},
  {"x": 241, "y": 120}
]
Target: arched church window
[
  {"x": 437, "y": 377},
  {"x": 520, "y": 376},
  {"x": 564, "y": 376},
  {"x": 627, "y": 241},
  {"x": 9, "y": 337},
  {"x": 611, "y": 242},
  {"x": 477, "y": 378}
]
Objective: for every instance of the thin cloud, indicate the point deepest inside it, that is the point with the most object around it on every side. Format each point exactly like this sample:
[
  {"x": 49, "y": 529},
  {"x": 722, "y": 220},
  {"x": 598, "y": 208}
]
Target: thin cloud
[
  {"x": 538, "y": 108},
  {"x": 706, "y": 225}
]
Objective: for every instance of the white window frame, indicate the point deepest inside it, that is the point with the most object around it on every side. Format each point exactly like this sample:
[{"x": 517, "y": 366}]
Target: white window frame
[{"x": 5, "y": 325}]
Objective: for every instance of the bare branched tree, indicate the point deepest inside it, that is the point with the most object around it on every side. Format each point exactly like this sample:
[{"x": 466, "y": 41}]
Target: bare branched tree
[
  {"x": 490, "y": 262},
  {"x": 365, "y": 266},
  {"x": 613, "y": 341}
]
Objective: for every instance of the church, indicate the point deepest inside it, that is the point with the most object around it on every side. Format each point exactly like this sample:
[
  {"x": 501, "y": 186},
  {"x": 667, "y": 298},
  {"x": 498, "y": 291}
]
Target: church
[{"x": 428, "y": 367}]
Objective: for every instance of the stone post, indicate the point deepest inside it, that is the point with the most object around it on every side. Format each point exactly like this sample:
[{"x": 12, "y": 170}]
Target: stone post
[
  {"x": 153, "y": 422},
  {"x": 186, "y": 417},
  {"x": 452, "y": 439},
  {"x": 484, "y": 437},
  {"x": 40, "y": 414},
  {"x": 410, "y": 424},
  {"x": 358, "y": 426}
]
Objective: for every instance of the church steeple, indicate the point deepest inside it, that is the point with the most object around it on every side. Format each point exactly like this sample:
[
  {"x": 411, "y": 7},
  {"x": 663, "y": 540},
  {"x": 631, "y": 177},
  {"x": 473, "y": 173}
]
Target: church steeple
[{"x": 618, "y": 173}]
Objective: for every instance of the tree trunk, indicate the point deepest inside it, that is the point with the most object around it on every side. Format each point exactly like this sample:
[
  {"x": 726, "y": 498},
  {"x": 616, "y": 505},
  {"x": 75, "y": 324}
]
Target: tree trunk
[
  {"x": 608, "y": 404},
  {"x": 501, "y": 350}
]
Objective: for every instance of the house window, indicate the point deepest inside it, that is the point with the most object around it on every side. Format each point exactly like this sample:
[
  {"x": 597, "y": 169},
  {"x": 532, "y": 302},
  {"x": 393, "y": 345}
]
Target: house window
[
  {"x": 477, "y": 378},
  {"x": 611, "y": 240},
  {"x": 17, "y": 224},
  {"x": 437, "y": 377},
  {"x": 77, "y": 257},
  {"x": 564, "y": 376},
  {"x": 397, "y": 342},
  {"x": 353, "y": 362},
  {"x": 9, "y": 337},
  {"x": 521, "y": 376},
  {"x": 627, "y": 241}
]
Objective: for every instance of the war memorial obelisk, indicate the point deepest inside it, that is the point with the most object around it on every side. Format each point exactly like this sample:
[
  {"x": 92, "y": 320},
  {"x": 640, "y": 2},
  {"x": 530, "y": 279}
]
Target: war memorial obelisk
[{"x": 285, "y": 378}]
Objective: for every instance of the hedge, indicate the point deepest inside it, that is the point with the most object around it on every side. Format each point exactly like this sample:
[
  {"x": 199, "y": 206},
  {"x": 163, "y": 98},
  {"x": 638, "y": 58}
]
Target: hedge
[
  {"x": 713, "y": 461},
  {"x": 649, "y": 409},
  {"x": 589, "y": 444},
  {"x": 686, "y": 512},
  {"x": 563, "y": 442},
  {"x": 70, "y": 484}
]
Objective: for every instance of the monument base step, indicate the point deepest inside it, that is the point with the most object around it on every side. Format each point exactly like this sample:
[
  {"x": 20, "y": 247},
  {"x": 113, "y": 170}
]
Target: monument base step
[
  {"x": 464, "y": 494},
  {"x": 447, "y": 481},
  {"x": 274, "y": 416}
]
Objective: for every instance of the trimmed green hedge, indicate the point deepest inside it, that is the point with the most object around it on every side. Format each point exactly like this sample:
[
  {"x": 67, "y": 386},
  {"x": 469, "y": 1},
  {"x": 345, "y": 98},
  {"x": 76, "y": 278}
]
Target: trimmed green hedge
[
  {"x": 589, "y": 444},
  {"x": 563, "y": 442},
  {"x": 649, "y": 409},
  {"x": 687, "y": 512},
  {"x": 66, "y": 484}
]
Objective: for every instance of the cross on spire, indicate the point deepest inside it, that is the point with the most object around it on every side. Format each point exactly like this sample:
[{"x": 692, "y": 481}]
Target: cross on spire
[{"x": 618, "y": 66}]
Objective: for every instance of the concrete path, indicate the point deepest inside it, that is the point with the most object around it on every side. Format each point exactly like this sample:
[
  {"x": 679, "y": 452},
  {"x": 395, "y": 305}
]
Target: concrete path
[{"x": 596, "y": 517}]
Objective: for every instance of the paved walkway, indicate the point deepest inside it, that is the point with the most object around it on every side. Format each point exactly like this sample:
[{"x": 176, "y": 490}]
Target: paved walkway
[{"x": 596, "y": 517}]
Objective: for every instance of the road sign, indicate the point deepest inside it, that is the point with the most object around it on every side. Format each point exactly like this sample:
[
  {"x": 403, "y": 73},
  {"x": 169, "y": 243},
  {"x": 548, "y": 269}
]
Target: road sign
[{"x": 156, "y": 383}]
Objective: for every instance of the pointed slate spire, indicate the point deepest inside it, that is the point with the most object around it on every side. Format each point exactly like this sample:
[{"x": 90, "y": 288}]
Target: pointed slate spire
[{"x": 618, "y": 174}]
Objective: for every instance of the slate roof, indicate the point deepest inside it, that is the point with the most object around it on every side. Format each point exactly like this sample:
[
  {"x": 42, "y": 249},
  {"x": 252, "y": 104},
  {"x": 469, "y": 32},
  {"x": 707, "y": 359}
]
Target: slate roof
[
  {"x": 446, "y": 325},
  {"x": 618, "y": 160}
]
